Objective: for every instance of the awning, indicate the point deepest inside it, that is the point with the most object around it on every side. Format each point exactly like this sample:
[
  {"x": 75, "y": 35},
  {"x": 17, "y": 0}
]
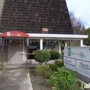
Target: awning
[{"x": 14, "y": 34}]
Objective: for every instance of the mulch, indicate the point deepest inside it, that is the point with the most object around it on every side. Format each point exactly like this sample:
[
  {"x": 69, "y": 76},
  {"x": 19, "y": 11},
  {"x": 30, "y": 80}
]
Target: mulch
[{"x": 38, "y": 82}]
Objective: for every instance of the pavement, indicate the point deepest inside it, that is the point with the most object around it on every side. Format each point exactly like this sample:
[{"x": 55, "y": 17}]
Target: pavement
[{"x": 15, "y": 79}]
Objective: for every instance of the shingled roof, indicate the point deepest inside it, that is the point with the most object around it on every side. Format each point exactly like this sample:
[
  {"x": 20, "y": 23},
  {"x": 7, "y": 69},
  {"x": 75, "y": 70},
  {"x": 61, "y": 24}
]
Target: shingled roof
[{"x": 32, "y": 15}]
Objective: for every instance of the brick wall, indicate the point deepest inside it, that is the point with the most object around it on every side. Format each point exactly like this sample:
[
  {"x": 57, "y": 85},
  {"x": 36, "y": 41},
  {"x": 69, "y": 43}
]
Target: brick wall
[{"x": 33, "y": 15}]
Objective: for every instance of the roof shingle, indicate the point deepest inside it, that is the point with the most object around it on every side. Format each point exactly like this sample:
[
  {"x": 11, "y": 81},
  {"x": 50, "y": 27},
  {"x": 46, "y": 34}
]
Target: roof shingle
[{"x": 32, "y": 15}]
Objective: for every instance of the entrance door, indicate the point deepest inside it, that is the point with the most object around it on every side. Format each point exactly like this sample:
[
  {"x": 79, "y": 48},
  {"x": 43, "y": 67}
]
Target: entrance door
[{"x": 15, "y": 53}]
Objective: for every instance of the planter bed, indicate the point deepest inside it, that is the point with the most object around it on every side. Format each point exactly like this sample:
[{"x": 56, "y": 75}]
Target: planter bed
[{"x": 38, "y": 82}]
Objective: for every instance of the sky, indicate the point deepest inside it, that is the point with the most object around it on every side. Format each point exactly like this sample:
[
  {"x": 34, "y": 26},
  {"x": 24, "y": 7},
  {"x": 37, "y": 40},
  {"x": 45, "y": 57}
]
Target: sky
[{"x": 81, "y": 9}]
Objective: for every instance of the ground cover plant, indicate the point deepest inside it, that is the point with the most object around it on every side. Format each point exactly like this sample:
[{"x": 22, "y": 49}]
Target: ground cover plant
[{"x": 63, "y": 79}]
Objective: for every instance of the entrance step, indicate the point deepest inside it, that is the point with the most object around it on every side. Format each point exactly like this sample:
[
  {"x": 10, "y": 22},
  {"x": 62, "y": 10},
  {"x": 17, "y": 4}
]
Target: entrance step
[
  {"x": 20, "y": 66},
  {"x": 31, "y": 64},
  {"x": 14, "y": 66}
]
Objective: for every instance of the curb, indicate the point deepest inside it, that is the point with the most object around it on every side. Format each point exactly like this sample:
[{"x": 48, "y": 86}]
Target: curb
[
  {"x": 31, "y": 88},
  {"x": 82, "y": 83}
]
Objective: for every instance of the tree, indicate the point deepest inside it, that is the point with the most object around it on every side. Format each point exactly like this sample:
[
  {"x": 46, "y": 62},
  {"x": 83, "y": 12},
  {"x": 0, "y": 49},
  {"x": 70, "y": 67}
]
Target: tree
[
  {"x": 77, "y": 24},
  {"x": 87, "y": 40}
]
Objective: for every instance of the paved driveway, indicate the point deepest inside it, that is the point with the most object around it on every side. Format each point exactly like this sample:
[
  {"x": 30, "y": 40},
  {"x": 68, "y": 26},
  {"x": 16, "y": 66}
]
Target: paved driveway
[{"x": 17, "y": 79}]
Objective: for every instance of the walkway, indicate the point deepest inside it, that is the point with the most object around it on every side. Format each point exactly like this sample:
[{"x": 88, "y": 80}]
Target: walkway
[{"x": 16, "y": 79}]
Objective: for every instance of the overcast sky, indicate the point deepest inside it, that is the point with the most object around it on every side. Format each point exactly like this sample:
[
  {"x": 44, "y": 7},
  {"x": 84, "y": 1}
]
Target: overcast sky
[{"x": 81, "y": 9}]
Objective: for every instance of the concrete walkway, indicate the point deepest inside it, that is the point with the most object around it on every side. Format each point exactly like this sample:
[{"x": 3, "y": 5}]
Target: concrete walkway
[{"x": 16, "y": 79}]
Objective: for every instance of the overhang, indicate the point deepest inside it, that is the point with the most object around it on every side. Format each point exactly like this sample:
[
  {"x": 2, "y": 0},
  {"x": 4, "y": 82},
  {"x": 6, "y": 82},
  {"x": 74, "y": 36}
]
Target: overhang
[
  {"x": 14, "y": 34},
  {"x": 58, "y": 36}
]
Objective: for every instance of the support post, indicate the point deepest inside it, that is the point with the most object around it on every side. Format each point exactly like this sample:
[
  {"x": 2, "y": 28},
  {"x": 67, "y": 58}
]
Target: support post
[
  {"x": 81, "y": 43},
  {"x": 41, "y": 44},
  {"x": 2, "y": 56},
  {"x": 59, "y": 43},
  {"x": 65, "y": 43},
  {"x": 26, "y": 55}
]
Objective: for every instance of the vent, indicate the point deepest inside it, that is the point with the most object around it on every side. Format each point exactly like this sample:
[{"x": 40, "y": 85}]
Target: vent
[{"x": 44, "y": 30}]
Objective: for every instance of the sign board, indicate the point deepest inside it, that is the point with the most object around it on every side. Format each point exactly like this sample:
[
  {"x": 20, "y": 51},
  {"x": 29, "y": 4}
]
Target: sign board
[
  {"x": 83, "y": 68},
  {"x": 69, "y": 63},
  {"x": 78, "y": 59},
  {"x": 82, "y": 53}
]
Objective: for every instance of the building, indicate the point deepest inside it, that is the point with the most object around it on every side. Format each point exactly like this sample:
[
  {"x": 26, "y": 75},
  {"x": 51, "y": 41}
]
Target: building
[{"x": 47, "y": 23}]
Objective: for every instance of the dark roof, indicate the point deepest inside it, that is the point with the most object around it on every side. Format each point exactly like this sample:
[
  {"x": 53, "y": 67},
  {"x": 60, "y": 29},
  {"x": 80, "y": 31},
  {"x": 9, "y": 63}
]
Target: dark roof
[{"x": 32, "y": 15}]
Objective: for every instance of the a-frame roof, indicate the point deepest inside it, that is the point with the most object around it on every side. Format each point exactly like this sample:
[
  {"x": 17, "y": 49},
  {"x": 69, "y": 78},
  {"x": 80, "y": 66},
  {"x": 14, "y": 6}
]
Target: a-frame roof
[{"x": 32, "y": 15}]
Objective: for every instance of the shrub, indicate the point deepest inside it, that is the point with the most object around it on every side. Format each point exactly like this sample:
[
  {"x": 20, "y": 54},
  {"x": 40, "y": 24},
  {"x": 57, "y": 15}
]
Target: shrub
[
  {"x": 53, "y": 67},
  {"x": 48, "y": 73},
  {"x": 59, "y": 63},
  {"x": 62, "y": 80},
  {"x": 61, "y": 55},
  {"x": 42, "y": 56},
  {"x": 54, "y": 54},
  {"x": 41, "y": 69}
]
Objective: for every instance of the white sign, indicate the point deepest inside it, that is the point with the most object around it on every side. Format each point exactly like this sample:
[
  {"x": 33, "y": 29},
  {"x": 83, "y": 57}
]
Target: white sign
[
  {"x": 82, "y": 53},
  {"x": 78, "y": 59},
  {"x": 69, "y": 63},
  {"x": 83, "y": 68},
  {"x": 8, "y": 34}
]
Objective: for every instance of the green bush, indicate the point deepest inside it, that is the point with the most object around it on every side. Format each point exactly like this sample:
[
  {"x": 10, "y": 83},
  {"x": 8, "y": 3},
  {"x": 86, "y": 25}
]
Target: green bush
[
  {"x": 41, "y": 69},
  {"x": 48, "y": 73},
  {"x": 42, "y": 56},
  {"x": 54, "y": 54},
  {"x": 61, "y": 56},
  {"x": 53, "y": 67},
  {"x": 59, "y": 63},
  {"x": 63, "y": 80}
]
